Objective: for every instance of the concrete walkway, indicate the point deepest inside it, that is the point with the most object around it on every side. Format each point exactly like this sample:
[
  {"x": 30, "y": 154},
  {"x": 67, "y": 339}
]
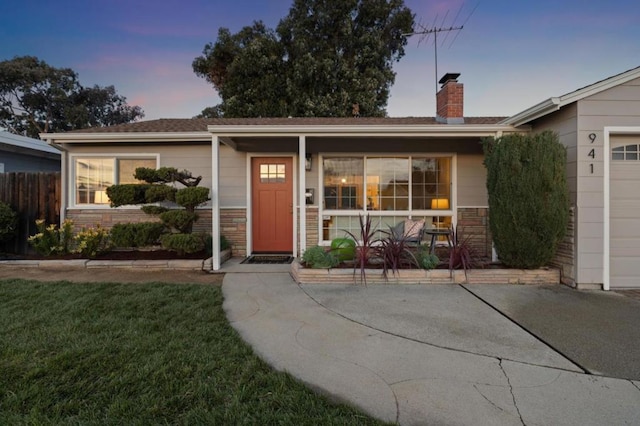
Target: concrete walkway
[{"x": 414, "y": 355}]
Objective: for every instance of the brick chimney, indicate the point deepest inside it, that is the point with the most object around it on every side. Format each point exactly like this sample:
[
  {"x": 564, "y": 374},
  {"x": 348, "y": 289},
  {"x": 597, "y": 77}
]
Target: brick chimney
[{"x": 450, "y": 100}]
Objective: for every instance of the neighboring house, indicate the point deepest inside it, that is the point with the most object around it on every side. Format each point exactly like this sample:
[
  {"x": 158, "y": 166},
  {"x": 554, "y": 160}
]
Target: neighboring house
[
  {"x": 285, "y": 184},
  {"x": 21, "y": 154}
]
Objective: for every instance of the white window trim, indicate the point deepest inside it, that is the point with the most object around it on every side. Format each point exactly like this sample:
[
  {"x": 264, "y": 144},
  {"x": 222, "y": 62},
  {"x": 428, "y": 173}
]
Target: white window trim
[
  {"x": 71, "y": 184},
  {"x": 452, "y": 212}
]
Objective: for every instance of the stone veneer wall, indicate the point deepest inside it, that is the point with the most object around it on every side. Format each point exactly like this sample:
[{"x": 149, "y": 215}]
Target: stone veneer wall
[
  {"x": 85, "y": 218},
  {"x": 233, "y": 222},
  {"x": 473, "y": 223},
  {"x": 564, "y": 258},
  {"x": 233, "y": 225},
  {"x": 312, "y": 226}
]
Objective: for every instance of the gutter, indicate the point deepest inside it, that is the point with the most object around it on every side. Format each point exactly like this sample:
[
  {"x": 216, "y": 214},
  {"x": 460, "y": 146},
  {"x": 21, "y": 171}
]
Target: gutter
[{"x": 543, "y": 108}]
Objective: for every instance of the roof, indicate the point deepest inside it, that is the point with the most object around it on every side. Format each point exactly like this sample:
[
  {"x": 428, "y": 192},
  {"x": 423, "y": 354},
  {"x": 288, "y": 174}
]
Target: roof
[
  {"x": 554, "y": 104},
  {"x": 22, "y": 142},
  {"x": 182, "y": 125}
]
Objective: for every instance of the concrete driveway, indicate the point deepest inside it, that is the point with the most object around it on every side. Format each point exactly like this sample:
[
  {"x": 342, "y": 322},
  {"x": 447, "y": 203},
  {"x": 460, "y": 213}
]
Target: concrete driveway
[{"x": 446, "y": 354}]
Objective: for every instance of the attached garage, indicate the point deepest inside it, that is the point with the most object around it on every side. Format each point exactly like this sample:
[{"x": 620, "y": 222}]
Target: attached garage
[{"x": 624, "y": 208}]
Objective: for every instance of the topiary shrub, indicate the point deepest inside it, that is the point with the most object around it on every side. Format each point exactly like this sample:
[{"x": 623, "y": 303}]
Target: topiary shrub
[
  {"x": 8, "y": 222},
  {"x": 126, "y": 194},
  {"x": 528, "y": 197},
  {"x": 183, "y": 243},
  {"x": 155, "y": 190},
  {"x": 180, "y": 220}
]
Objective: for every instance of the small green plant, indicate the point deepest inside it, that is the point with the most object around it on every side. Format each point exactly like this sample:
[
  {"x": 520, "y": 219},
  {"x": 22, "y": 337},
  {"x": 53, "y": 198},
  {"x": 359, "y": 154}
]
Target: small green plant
[
  {"x": 224, "y": 243},
  {"x": 8, "y": 222},
  {"x": 343, "y": 248},
  {"x": 426, "y": 260},
  {"x": 183, "y": 243},
  {"x": 91, "y": 242},
  {"x": 51, "y": 240},
  {"x": 319, "y": 258}
]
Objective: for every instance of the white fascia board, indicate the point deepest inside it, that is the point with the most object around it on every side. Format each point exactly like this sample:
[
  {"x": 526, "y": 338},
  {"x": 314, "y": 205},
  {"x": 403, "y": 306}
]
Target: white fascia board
[
  {"x": 366, "y": 131},
  {"x": 539, "y": 110},
  {"x": 125, "y": 137}
]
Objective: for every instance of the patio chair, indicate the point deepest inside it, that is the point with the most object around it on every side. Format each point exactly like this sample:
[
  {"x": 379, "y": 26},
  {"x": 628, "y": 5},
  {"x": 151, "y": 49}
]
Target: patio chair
[{"x": 411, "y": 230}]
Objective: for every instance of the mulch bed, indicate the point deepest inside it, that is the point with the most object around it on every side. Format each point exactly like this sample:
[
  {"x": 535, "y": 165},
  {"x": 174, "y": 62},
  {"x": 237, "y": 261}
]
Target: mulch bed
[{"x": 114, "y": 255}]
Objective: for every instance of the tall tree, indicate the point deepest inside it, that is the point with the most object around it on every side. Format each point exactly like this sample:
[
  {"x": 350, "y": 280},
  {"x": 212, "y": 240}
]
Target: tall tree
[
  {"x": 324, "y": 57},
  {"x": 38, "y": 98}
]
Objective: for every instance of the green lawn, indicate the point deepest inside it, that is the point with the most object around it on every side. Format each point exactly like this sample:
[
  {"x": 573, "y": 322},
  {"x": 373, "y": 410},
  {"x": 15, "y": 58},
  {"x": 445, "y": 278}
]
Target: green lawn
[{"x": 139, "y": 354}]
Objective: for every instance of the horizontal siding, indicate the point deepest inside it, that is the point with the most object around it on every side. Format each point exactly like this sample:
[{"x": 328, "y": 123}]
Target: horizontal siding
[
  {"x": 472, "y": 181},
  {"x": 233, "y": 178},
  {"x": 617, "y": 106}
]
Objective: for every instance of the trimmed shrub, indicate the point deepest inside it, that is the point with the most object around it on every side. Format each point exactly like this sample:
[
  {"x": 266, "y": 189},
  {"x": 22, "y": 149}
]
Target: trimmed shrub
[
  {"x": 141, "y": 234},
  {"x": 180, "y": 220},
  {"x": 158, "y": 193},
  {"x": 132, "y": 193},
  {"x": 154, "y": 210},
  {"x": 183, "y": 243},
  {"x": 528, "y": 197},
  {"x": 8, "y": 222},
  {"x": 192, "y": 196},
  {"x": 155, "y": 190}
]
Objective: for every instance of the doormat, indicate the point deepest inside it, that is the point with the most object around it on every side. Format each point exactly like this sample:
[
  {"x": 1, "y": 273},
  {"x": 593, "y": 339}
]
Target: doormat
[{"x": 273, "y": 259}]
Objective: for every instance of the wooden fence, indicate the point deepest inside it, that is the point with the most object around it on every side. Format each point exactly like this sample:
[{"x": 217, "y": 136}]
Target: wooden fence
[{"x": 33, "y": 196}]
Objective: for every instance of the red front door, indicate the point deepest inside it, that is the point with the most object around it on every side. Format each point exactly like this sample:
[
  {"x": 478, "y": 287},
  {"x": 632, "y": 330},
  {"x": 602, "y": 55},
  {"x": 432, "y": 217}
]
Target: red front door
[{"x": 272, "y": 204}]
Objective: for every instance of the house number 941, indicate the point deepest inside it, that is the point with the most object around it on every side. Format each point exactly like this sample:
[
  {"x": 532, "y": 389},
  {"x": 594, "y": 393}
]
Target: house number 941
[{"x": 592, "y": 153}]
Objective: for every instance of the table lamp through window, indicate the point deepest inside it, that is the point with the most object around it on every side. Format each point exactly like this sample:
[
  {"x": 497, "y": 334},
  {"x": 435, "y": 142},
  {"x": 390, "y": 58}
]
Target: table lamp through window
[{"x": 440, "y": 204}]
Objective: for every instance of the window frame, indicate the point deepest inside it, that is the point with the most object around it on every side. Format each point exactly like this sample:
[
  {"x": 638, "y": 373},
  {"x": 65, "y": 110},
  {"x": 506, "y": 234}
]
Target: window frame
[
  {"x": 71, "y": 187},
  {"x": 410, "y": 213}
]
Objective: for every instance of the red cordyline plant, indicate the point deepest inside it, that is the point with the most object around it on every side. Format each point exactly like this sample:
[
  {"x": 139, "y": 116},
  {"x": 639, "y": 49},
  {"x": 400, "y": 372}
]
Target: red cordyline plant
[
  {"x": 395, "y": 252},
  {"x": 461, "y": 254},
  {"x": 366, "y": 246}
]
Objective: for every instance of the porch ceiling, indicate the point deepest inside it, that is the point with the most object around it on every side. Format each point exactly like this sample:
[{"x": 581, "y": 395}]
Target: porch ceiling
[{"x": 383, "y": 144}]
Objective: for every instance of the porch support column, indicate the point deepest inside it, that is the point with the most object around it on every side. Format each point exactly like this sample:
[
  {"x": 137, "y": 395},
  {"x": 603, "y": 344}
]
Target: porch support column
[
  {"x": 215, "y": 201},
  {"x": 302, "y": 200}
]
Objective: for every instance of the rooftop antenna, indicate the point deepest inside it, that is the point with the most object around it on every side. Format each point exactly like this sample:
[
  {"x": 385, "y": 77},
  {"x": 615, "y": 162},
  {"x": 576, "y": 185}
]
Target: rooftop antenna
[{"x": 435, "y": 30}]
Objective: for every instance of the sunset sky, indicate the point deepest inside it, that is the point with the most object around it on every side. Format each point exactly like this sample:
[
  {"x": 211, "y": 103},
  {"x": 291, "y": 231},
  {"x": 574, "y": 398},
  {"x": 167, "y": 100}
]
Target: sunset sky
[{"x": 511, "y": 54}]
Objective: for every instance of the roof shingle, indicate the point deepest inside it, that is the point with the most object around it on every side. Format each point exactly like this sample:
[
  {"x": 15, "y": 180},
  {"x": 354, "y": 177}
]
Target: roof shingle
[{"x": 168, "y": 125}]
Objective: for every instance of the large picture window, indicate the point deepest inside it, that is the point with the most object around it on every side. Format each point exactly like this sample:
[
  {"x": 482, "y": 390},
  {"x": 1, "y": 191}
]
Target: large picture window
[
  {"x": 389, "y": 189},
  {"x": 94, "y": 174},
  {"x": 387, "y": 183}
]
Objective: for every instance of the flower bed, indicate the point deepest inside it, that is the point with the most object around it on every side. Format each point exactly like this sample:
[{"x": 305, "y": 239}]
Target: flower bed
[{"x": 304, "y": 275}]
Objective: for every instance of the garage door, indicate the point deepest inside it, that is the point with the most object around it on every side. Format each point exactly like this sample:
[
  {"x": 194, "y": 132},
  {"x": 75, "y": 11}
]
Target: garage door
[{"x": 625, "y": 212}]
